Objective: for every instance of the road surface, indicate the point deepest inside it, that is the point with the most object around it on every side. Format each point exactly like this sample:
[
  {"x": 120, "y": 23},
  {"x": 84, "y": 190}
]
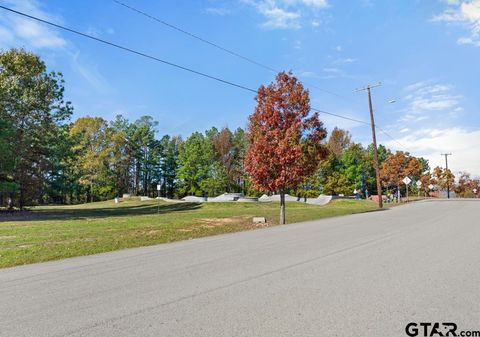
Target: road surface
[{"x": 361, "y": 275}]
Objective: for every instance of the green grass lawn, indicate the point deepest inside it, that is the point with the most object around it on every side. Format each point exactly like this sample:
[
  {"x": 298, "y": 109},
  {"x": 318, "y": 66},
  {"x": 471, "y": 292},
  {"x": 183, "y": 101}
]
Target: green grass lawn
[{"x": 55, "y": 232}]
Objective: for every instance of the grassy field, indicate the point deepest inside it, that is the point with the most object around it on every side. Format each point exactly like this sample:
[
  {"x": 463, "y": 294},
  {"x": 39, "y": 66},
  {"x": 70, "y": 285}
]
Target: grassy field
[{"x": 55, "y": 232}]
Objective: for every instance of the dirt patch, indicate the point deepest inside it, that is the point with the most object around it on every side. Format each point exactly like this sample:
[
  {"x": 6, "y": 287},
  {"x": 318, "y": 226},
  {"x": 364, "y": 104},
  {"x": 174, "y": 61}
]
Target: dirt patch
[
  {"x": 147, "y": 232},
  {"x": 260, "y": 225},
  {"x": 209, "y": 223},
  {"x": 24, "y": 246},
  {"x": 216, "y": 222},
  {"x": 153, "y": 232}
]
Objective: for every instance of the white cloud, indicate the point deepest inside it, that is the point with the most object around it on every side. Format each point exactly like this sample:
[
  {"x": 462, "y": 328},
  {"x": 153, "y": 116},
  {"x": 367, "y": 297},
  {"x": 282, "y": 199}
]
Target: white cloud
[
  {"x": 97, "y": 32},
  {"x": 428, "y": 99},
  {"x": 310, "y": 74},
  {"x": 314, "y": 3},
  {"x": 285, "y": 14},
  {"x": 89, "y": 73},
  {"x": 430, "y": 143},
  {"x": 277, "y": 17},
  {"x": 367, "y": 3},
  {"x": 331, "y": 70},
  {"x": 452, "y": 2},
  {"x": 331, "y": 122},
  {"x": 466, "y": 13},
  {"x": 434, "y": 102},
  {"x": 220, "y": 11},
  {"x": 336, "y": 69},
  {"x": 417, "y": 85},
  {"x": 308, "y": 3},
  {"x": 345, "y": 61},
  {"x": 16, "y": 30},
  {"x": 425, "y": 127},
  {"x": 410, "y": 117},
  {"x": 6, "y": 36}
]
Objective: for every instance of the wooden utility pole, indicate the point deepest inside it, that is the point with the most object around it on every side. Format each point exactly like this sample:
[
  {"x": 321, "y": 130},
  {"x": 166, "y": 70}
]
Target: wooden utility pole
[
  {"x": 446, "y": 173},
  {"x": 369, "y": 88}
]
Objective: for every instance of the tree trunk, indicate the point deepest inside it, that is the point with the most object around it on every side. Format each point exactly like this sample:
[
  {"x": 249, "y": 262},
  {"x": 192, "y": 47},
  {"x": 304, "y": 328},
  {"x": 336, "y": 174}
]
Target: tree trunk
[
  {"x": 22, "y": 198},
  {"x": 10, "y": 201},
  {"x": 282, "y": 207}
]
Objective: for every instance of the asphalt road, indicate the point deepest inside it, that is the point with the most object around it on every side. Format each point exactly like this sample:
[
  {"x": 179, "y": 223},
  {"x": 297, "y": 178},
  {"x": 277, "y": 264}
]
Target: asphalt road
[{"x": 361, "y": 275}]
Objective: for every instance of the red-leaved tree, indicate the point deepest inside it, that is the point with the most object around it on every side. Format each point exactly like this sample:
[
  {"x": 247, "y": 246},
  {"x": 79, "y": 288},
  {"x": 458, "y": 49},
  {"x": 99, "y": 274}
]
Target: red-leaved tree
[{"x": 285, "y": 139}]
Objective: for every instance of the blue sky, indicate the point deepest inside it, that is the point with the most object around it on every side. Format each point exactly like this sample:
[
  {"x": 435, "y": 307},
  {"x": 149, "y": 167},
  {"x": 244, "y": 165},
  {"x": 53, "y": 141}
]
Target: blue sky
[{"x": 424, "y": 52}]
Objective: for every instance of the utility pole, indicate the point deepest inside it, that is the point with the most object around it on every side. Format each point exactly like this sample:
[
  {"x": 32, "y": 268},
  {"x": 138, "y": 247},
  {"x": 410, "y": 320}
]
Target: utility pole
[
  {"x": 369, "y": 88},
  {"x": 446, "y": 172}
]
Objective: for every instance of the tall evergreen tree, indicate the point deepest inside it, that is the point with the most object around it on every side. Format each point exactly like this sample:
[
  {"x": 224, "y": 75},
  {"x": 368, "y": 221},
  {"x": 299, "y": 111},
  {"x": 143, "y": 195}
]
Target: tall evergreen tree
[
  {"x": 195, "y": 159},
  {"x": 146, "y": 149},
  {"x": 33, "y": 106},
  {"x": 170, "y": 147}
]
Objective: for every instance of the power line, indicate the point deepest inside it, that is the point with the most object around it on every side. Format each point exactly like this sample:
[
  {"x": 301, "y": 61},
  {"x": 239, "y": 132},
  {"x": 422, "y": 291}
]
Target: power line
[
  {"x": 340, "y": 116},
  {"x": 391, "y": 137},
  {"x": 216, "y": 45},
  {"x": 195, "y": 36},
  {"x": 361, "y": 122},
  {"x": 368, "y": 89},
  {"x": 127, "y": 49}
]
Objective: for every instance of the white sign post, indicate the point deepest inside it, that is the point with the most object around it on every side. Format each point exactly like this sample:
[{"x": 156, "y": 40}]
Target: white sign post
[
  {"x": 407, "y": 181},
  {"x": 158, "y": 189},
  {"x": 419, "y": 185}
]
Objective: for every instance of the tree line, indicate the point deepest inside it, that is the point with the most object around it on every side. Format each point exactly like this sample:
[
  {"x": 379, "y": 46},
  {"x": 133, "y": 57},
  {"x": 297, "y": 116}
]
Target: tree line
[{"x": 47, "y": 158}]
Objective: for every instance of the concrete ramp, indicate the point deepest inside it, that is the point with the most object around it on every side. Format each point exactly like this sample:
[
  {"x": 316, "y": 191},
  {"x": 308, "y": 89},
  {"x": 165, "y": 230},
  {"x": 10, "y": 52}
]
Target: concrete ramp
[
  {"x": 264, "y": 198},
  {"x": 225, "y": 197},
  {"x": 192, "y": 198},
  {"x": 288, "y": 197},
  {"x": 320, "y": 201}
]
